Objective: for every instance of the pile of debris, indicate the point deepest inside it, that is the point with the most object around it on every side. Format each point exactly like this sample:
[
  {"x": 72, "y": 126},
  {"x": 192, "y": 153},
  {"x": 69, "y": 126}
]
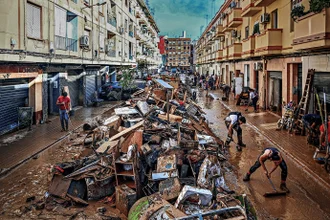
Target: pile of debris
[{"x": 154, "y": 158}]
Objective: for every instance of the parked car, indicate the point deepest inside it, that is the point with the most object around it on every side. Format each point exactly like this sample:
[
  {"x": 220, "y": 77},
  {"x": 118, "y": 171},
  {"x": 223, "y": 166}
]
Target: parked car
[
  {"x": 113, "y": 91},
  {"x": 244, "y": 96}
]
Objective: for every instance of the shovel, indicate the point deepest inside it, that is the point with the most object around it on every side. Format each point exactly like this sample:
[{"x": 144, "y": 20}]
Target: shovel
[{"x": 275, "y": 193}]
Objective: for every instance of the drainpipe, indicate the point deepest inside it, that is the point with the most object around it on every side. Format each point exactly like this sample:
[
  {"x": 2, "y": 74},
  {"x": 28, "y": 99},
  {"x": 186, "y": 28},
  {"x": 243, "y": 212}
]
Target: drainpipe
[
  {"x": 92, "y": 37},
  {"x": 264, "y": 68}
]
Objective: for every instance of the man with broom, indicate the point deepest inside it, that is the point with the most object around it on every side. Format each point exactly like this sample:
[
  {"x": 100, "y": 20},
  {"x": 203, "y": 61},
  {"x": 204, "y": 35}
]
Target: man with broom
[{"x": 274, "y": 155}]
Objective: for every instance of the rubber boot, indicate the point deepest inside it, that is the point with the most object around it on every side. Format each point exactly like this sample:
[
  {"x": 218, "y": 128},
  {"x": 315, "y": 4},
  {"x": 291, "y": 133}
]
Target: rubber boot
[
  {"x": 284, "y": 188},
  {"x": 240, "y": 142},
  {"x": 246, "y": 178}
]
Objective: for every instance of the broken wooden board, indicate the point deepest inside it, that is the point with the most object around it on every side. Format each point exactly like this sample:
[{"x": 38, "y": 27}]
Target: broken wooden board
[
  {"x": 126, "y": 131},
  {"x": 107, "y": 145},
  {"x": 173, "y": 118},
  {"x": 59, "y": 186},
  {"x": 133, "y": 138}
]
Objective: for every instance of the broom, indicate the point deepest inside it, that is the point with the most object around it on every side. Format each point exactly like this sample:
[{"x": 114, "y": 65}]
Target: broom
[{"x": 275, "y": 193}]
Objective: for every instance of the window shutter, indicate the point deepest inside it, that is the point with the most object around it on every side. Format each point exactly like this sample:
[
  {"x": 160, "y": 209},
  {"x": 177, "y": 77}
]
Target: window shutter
[
  {"x": 101, "y": 42},
  {"x": 60, "y": 21},
  {"x": 33, "y": 21}
]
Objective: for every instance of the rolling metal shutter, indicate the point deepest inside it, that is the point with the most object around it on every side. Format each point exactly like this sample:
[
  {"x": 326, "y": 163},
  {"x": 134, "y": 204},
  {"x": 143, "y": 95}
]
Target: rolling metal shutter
[
  {"x": 322, "y": 82},
  {"x": 90, "y": 89},
  {"x": 11, "y": 97},
  {"x": 73, "y": 84}
]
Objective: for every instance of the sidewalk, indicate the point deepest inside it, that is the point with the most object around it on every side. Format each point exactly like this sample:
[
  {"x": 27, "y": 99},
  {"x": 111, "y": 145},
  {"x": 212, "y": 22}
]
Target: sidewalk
[
  {"x": 293, "y": 146},
  {"x": 41, "y": 137}
]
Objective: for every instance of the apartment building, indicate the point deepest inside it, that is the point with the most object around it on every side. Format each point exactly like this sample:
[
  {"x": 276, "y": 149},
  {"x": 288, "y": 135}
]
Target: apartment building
[
  {"x": 50, "y": 44},
  {"x": 258, "y": 41},
  {"x": 178, "y": 53}
]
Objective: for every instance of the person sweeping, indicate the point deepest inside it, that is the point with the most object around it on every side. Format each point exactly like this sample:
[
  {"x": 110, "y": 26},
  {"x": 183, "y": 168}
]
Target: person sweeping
[{"x": 274, "y": 155}]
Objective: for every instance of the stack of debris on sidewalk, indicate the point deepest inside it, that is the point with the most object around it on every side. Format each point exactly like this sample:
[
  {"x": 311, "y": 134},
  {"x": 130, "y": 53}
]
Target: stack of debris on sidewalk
[{"x": 154, "y": 158}]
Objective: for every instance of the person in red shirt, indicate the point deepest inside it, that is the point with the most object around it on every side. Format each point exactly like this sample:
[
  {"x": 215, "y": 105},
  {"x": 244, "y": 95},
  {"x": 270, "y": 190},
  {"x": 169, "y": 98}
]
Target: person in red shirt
[
  {"x": 64, "y": 104},
  {"x": 323, "y": 133}
]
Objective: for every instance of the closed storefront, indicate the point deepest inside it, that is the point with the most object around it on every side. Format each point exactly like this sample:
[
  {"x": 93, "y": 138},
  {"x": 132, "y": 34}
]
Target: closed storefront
[
  {"x": 275, "y": 90},
  {"x": 14, "y": 93},
  {"x": 90, "y": 87},
  {"x": 322, "y": 84},
  {"x": 53, "y": 92},
  {"x": 74, "y": 83}
]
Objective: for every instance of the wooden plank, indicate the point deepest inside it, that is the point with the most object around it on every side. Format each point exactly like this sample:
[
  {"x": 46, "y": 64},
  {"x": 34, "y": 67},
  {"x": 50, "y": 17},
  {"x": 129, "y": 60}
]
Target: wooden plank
[
  {"x": 107, "y": 144},
  {"x": 134, "y": 138},
  {"x": 126, "y": 131}
]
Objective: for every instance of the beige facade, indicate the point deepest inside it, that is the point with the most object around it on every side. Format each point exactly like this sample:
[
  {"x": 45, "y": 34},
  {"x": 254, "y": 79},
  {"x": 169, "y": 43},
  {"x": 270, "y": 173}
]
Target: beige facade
[
  {"x": 178, "y": 53},
  {"x": 77, "y": 32},
  {"x": 258, "y": 41},
  {"x": 46, "y": 45}
]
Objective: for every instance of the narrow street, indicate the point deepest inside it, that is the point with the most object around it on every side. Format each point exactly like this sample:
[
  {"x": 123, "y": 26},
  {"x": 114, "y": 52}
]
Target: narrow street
[{"x": 306, "y": 200}]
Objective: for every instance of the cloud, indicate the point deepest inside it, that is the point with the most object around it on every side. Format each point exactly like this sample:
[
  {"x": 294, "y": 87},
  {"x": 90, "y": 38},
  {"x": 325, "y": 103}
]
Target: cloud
[{"x": 175, "y": 16}]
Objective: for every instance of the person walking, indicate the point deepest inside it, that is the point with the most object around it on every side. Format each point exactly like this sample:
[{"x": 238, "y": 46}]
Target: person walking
[
  {"x": 274, "y": 155},
  {"x": 233, "y": 122},
  {"x": 64, "y": 104},
  {"x": 253, "y": 99}
]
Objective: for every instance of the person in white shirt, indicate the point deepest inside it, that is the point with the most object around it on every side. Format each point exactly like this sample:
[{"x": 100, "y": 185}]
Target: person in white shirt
[{"x": 233, "y": 122}]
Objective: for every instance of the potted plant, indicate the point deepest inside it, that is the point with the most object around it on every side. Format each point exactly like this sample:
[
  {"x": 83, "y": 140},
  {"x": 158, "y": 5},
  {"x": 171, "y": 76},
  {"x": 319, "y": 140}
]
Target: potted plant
[{"x": 297, "y": 12}]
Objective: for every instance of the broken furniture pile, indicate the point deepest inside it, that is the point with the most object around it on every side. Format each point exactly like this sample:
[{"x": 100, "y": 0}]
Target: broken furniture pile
[{"x": 155, "y": 157}]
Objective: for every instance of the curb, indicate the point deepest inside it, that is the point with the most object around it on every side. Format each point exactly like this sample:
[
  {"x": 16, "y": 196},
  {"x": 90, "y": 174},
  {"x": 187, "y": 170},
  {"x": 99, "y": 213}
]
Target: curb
[{"x": 305, "y": 169}]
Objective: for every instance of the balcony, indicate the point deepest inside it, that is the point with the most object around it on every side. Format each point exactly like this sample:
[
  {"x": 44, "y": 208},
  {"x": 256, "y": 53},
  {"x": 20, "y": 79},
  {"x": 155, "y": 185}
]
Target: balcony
[
  {"x": 235, "y": 51},
  {"x": 64, "y": 43},
  {"x": 263, "y": 3},
  {"x": 219, "y": 32},
  {"x": 225, "y": 23},
  {"x": 113, "y": 21},
  {"x": 234, "y": 18},
  {"x": 225, "y": 53},
  {"x": 269, "y": 42},
  {"x": 248, "y": 46},
  {"x": 219, "y": 55},
  {"x": 248, "y": 8},
  {"x": 312, "y": 31}
]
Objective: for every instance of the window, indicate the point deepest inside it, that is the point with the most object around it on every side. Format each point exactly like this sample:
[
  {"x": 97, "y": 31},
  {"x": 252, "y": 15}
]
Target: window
[
  {"x": 274, "y": 18},
  {"x": 126, "y": 3},
  {"x": 256, "y": 29},
  {"x": 126, "y": 24},
  {"x": 101, "y": 42},
  {"x": 86, "y": 1},
  {"x": 33, "y": 21},
  {"x": 246, "y": 32},
  {"x": 75, "y": 1}
]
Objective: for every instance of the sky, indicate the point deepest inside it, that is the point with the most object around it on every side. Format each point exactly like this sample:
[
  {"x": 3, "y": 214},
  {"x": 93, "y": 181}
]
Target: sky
[{"x": 175, "y": 16}]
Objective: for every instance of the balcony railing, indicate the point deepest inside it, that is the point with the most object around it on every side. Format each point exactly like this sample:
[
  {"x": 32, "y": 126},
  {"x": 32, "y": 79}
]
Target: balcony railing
[
  {"x": 248, "y": 46},
  {"x": 234, "y": 18},
  {"x": 219, "y": 32},
  {"x": 235, "y": 51},
  {"x": 64, "y": 43},
  {"x": 219, "y": 55},
  {"x": 111, "y": 53},
  {"x": 225, "y": 53},
  {"x": 113, "y": 21},
  {"x": 248, "y": 8},
  {"x": 312, "y": 31},
  {"x": 269, "y": 42},
  {"x": 260, "y": 3}
]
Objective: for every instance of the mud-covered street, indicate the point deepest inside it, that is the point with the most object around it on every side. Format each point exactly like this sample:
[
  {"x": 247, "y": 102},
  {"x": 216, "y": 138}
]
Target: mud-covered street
[{"x": 306, "y": 200}]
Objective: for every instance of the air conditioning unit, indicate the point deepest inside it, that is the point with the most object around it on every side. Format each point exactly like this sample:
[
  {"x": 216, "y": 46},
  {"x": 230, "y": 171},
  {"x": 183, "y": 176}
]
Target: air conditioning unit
[
  {"x": 257, "y": 66},
  {"x": 222, "y": 38},
  {"x": 264, "y": 18},
  {"x": 84, "y": 41},
  {"x": 223, "y": 15},
  {"x": 233, "y": 33},
  {"x": 233, "y": 4}
]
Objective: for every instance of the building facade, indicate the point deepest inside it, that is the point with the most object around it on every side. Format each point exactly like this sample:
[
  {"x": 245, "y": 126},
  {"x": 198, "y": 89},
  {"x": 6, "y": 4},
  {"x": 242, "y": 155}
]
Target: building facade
[
  {"x": 76, "y": 44},
  {"x": 260, "y": 42},
  {"x": 178, "y": 53}
]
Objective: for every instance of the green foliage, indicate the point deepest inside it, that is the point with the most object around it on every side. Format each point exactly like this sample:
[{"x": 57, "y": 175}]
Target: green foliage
[
  {"x": 317, "y": 6},
  {"x": 297, "y": 12},
  {"x": 127, "y": 78}
]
